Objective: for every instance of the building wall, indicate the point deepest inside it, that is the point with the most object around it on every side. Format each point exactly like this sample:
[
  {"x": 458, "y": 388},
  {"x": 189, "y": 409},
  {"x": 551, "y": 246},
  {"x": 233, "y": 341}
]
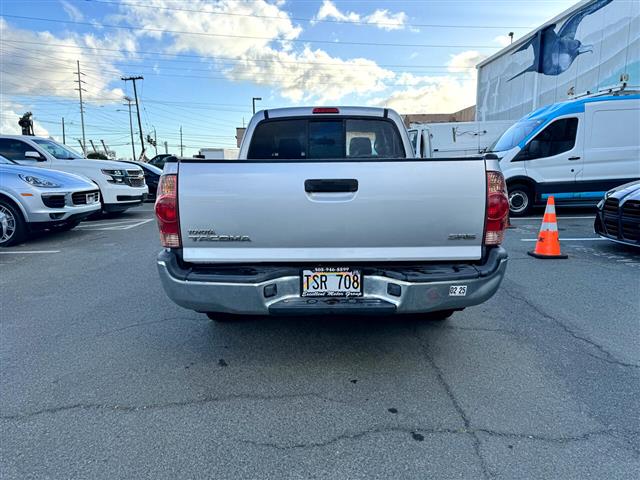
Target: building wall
[
  {"x": 465, "y": 115},
  {"x": 516, "y": 80}
]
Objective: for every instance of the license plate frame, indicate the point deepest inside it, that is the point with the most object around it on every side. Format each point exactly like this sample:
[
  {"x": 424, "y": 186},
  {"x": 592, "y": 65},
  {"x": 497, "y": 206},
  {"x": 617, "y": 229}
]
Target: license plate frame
[{"x": 333, "y": 275}]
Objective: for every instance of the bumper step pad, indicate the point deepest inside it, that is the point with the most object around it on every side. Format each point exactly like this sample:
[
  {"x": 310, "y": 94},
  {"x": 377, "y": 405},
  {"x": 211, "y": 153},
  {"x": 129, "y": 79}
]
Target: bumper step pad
[{"x": 334, "y": 306}]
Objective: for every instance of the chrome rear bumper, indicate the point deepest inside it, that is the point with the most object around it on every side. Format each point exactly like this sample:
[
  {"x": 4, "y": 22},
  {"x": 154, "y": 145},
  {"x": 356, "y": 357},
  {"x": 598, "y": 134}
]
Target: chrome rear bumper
[{"x": 276, "y": 290}]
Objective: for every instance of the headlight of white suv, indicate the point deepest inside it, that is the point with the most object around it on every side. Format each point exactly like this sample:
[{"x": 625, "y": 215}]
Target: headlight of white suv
[
  {"x": 117, "y": 176},
  {"x": 38, "y": 182}
]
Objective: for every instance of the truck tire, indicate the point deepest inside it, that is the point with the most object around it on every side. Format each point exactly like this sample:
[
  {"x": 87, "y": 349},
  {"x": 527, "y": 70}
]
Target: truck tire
[
  {"x": 221, "y": 317},
  {"x": 12, "y": 226},
  {"x": 439, "y": 316},
  {"x": 520, "y": 199}
]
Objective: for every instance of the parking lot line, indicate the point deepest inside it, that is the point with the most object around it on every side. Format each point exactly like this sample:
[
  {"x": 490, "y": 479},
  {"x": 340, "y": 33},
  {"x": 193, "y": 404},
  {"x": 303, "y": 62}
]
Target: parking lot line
[
  {"x": 587, "y": 239},
  {"x": 20, "y": 252},
  {"x": 119, "y": 225}
]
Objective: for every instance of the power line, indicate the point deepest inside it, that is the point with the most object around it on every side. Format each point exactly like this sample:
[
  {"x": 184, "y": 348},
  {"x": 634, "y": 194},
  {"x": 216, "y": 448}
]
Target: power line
[
  {"x": 217, "y": 57},
  {"x": 249, "y": 37},
  {"x": 314, "y": 20}
]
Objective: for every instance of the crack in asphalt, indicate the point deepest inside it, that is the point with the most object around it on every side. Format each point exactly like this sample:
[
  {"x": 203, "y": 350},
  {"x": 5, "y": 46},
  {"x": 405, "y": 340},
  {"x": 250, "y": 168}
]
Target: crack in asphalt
[
  {"x": 437, "y": 431},
  {"x": 609, "y": 357},
  {"x": 456, "y": 405},
  {"x": 163, "y": 406},
  {"x": 472, "y": 329},
  {"x": 467, "y": 430}
]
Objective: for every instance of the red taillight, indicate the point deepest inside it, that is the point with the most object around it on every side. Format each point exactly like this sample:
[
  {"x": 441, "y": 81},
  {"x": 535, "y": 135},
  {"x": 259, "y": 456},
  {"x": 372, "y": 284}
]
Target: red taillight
[
  {"x": 326, "y": 110},
  {"x": 497, "y": 209},
  {"x": 167, "y": 211}
]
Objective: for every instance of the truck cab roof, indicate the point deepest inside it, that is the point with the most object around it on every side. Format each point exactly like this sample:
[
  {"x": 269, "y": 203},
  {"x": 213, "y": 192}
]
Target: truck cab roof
[{"x": 319, "y": 111}]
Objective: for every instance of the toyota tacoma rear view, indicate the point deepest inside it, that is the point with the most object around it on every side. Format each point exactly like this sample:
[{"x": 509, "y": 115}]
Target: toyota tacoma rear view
[{"x": 326, "y": 211}]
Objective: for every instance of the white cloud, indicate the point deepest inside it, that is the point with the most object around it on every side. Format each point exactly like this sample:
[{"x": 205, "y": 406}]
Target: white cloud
[
  {"x": 74, "y": 13},
  {"x": 381, "y": 18},
  {"x": 438, "y": 94},
  {"x": 386, "y": 20},
  {"x": 328, "y": 10},
  {"x": 47, "y": 68},
  {"x": 270, "y": 59}
]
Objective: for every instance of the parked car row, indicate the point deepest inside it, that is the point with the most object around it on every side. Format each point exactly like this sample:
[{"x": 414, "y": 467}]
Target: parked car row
[{"x": 47, "y": 186}]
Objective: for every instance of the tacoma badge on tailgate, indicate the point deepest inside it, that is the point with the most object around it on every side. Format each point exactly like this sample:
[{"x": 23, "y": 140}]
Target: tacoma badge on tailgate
[{"x": 211, "y": 236}]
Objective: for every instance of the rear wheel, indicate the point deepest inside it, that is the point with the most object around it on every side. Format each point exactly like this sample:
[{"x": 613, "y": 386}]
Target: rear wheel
[
  {"x": 439, "y": 316},
  {"x": 221, "y": 317},
  {"x": 12, "y": 226},
  {"x": 520, "y": 199}
]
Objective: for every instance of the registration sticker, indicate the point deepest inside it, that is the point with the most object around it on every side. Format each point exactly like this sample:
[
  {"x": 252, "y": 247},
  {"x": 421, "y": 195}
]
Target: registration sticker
[{"x": 457, "y": 290}]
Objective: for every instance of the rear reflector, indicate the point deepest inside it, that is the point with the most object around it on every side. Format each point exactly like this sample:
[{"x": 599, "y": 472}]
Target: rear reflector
[
  {"x": 326, "y": 110},
  {"x": 167, "y": 211},
  {"x": 497, "y": 209}
]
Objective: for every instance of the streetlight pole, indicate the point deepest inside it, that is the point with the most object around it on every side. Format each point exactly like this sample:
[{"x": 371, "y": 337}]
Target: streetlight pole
[
  {"x": 253, "y": 102},
  {"x": 133, "y": 146}
]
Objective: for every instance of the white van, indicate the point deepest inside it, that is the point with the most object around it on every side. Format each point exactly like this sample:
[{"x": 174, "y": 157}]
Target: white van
[
  {"x": 574, "y": 150},
  {"x": 455, "y": 139},
  {"x": 121, "y": 185}
]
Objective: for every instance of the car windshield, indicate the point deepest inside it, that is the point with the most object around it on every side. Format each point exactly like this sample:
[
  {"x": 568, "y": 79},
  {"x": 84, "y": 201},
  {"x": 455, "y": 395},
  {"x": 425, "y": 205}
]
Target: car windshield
[
  {"x": 514, "y": 135},
  {"x": 57, "y": 150}
]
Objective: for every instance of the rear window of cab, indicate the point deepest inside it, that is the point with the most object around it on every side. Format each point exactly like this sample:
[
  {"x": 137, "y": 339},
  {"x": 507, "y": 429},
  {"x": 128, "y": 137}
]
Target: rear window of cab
[{"x": 330, "y": 139}]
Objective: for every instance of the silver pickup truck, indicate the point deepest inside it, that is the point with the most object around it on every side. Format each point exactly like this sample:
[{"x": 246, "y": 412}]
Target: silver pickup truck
[{"x": 326, "y": 210}]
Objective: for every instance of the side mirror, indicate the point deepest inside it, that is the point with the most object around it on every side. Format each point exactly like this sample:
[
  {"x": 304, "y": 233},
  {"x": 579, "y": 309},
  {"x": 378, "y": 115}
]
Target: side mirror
[{"x": 32, "y": 155}]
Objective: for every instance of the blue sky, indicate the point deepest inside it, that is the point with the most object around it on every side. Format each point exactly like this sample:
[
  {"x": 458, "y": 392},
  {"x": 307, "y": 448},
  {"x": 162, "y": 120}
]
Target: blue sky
[{"x": 203, "y": 61}]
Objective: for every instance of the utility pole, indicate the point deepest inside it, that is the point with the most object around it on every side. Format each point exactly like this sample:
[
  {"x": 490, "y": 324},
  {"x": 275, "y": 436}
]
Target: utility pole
[
  {"x": 181, "y": 140},
  {"x": 133, "y": 145},
  {"x": 106, "y": 150},
  {"x": 63, "y": 137},
  {"x": 166, "y": 147},
  {"x": 253, "y": 102},
  {"x": 80, "y": 90},
  {"x": 135, "y": 94},
  {"x": 155, "y": 140}
]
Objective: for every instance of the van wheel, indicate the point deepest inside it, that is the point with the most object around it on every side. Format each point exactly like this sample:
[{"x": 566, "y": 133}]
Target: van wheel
[
  {"x": 12, "y": 226},
  {"x": 520, "y": 199}
]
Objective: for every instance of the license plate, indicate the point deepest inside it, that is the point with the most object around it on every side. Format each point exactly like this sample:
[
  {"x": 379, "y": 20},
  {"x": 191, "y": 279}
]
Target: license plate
[
  {"x": 331, "y": 282},
  {"x": 458, "y": 291},
  {"x": 92, "y": 198}
]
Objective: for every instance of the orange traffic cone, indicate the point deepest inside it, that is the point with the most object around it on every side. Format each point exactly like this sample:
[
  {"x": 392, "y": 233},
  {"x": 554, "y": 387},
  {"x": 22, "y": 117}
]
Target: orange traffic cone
[{"x": 548, "y": 244}]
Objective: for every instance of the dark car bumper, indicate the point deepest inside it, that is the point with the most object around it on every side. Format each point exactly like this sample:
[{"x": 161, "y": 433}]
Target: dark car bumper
[{"x": 617, "y": 227}]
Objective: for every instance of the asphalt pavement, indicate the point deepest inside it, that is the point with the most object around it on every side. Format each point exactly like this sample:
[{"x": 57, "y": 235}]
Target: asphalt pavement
[{"x": 101, "y": 376}]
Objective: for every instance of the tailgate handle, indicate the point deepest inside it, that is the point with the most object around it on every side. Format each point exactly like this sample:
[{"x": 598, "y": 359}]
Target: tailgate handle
[{"x": 331, "y": 185}]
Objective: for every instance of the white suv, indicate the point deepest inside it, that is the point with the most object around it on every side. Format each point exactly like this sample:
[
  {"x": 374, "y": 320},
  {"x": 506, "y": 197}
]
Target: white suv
[{"x": 121, "y": 185}]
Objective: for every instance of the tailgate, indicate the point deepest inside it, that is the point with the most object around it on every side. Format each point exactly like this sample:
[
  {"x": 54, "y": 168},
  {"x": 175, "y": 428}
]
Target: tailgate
[{"x": 248, "y": 212}]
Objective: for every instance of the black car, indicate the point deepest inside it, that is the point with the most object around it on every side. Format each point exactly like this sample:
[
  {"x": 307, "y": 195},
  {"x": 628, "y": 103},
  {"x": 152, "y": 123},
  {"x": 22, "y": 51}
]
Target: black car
[
  {"x": 151, "y": 176},
  {"x": 618, "y": 217},
  {"x": 158, "y": 160}
]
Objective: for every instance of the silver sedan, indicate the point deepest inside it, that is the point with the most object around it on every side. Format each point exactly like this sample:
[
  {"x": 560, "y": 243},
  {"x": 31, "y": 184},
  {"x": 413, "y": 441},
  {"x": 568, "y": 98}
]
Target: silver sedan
[{"x": 33, "y": 199}]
